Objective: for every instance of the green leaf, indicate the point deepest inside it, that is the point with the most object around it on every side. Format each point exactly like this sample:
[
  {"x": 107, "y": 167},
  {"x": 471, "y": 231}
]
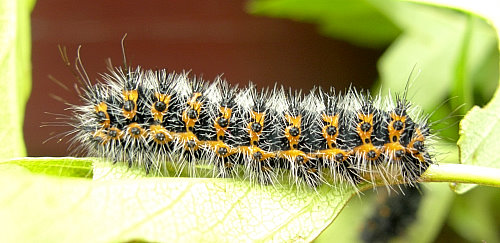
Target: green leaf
[
  {"x": 450, "y": 48},
  {"x": 70, "y": 167},
  {"x": 479, "y": 132},
  {"x": 113, "y": 209},
  {"x": 447, "y": 46},
  {"x": 358, "y": 21},
  {"x": 478, "y": 206},
  {"x": 15, "y": 73}
]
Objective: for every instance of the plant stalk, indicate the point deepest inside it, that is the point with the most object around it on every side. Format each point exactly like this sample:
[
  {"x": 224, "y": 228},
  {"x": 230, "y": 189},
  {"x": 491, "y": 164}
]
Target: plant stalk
[{"x": 460, "y": 173}]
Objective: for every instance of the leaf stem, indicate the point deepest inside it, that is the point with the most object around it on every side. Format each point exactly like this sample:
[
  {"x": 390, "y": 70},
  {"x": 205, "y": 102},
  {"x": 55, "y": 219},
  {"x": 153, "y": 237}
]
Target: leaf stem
[{"x": 460, "y": 173}]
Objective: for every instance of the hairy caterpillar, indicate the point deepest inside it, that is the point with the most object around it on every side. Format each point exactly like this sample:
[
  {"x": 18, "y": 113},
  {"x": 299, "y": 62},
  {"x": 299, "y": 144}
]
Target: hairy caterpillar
[
  {"x": 165, "y": 121},
  {"x": 392, "y": 215}
]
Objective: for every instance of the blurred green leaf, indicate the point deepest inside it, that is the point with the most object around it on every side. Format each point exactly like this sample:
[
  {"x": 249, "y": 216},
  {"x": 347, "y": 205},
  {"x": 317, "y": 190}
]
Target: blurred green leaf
[
  {"x": 358, "y": 21},
  {"x": 478, "y": 206},
  {"x": 15, "y": 73},
  {"x": 120, "y": 208},
  {"x": 447, "y": 46}
]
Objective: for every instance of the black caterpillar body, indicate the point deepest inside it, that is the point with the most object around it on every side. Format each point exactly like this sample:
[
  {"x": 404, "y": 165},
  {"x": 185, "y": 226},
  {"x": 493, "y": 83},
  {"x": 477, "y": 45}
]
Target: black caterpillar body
[
  {"x": 156, "y": 119},
  {"x": 393, "y": 215}
]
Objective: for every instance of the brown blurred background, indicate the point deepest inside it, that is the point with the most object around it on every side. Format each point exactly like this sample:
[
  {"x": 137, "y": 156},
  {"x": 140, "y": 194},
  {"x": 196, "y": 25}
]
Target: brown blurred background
[{"x": 208, "y": 37}]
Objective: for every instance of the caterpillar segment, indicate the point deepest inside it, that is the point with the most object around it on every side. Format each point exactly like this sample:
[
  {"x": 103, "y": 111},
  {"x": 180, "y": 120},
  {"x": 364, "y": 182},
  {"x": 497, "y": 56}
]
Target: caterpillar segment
[
  {"x": 294, "y": 140},
  {"x": 334, "y": 154},
  {"x": 365, "y": 130},
  {"x": 160, "y": 107},
  {"x": 130, "y": 103},
  {"x": 418, "y": 156},
  {"x": 101, "y": 112},
  {"x": 218, "y": 147},
  {"x": 252, "y": 133}
]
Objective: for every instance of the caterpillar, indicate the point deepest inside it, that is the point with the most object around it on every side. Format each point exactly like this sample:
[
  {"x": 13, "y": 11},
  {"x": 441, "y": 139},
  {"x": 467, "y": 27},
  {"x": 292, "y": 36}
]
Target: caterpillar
[
  {"x": 393, "y": 215},
  {"x": 166, "y": 121}
]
